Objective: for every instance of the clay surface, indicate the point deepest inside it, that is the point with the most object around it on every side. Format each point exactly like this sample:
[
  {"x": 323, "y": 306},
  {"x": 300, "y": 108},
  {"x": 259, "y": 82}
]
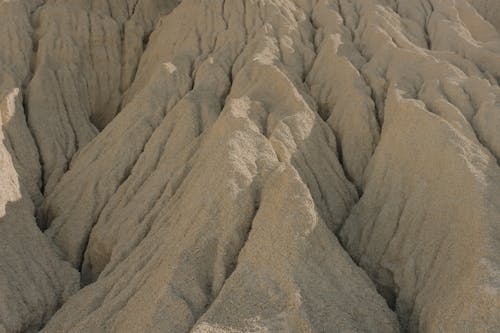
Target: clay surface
[{"x": 249, "y": 166}]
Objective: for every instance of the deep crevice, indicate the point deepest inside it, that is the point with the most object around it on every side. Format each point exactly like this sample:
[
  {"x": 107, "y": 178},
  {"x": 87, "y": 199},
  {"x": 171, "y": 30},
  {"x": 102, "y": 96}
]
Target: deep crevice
[{"x": 233, "y": 265}]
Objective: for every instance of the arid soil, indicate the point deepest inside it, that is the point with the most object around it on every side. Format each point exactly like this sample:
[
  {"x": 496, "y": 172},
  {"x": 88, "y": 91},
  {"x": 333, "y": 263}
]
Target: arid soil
[{"x": 250, "y": 166}]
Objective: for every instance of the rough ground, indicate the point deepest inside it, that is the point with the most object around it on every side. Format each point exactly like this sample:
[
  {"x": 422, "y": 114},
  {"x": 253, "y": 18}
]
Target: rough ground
[{"x": 250, "y": 166}]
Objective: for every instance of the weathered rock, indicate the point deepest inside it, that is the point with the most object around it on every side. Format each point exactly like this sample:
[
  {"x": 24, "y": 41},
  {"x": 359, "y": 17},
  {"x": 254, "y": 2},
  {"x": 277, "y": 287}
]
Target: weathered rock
[
  {"x": 34, "y": 281},
  {"x": 196, "y": 161}
]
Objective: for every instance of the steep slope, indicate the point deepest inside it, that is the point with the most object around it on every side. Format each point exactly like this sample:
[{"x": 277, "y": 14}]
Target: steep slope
[
  {"x": 489, "y": 9},
  {"x": 196, "y": 161},
  {"x": 34, "y": 281},
  {"x": 86, "y": 55},
  {"x": 158, "y": 218},
  {"x": 426, "y": 238}
]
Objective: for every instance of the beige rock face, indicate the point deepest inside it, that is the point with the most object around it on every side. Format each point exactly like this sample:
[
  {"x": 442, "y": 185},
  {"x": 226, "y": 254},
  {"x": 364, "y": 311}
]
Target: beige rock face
[
  {"x": 34, "y": 281},
  {"x": 489, "y": 9},
  {"x": 87, "y": 53},
  {"x": 250, "y": 166}
]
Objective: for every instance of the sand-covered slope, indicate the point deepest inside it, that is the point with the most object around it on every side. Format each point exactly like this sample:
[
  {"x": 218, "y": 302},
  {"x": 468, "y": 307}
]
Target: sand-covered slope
[{"x": 250, "y": 166}]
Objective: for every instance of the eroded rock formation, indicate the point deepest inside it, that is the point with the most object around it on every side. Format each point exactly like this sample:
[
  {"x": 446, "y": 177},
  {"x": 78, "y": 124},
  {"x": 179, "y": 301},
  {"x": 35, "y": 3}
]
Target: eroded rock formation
[{"x": 250, "y": 166}]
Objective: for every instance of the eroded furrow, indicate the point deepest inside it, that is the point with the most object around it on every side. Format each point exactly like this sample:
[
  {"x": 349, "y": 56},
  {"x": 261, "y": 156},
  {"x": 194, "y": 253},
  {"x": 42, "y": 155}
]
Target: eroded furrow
[
  {"x": 252, "y": 134},
  {"x": 198, "y": 163},
  {"x": 405, "y": 269}
]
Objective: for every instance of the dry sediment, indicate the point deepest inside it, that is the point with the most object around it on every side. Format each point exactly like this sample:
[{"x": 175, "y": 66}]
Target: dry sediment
[{"x": 250, "y": 165}]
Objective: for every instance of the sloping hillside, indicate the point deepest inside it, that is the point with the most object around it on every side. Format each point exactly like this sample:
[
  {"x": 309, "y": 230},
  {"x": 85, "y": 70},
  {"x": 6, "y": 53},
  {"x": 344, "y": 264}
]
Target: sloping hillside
[{"x": 249, "y": 166}]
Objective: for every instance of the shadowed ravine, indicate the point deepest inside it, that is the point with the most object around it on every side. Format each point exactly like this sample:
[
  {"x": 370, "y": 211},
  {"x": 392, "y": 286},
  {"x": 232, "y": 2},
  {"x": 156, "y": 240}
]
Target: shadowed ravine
[{"x": 250, "y": 166}]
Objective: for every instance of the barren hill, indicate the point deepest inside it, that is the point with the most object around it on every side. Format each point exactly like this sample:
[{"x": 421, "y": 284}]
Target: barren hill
[{"x": 250, "y": 166}]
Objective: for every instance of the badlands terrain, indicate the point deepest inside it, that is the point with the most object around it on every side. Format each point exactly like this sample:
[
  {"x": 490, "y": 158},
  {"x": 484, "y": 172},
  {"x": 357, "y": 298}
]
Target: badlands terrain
[{"x": 250, "y": 166}]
